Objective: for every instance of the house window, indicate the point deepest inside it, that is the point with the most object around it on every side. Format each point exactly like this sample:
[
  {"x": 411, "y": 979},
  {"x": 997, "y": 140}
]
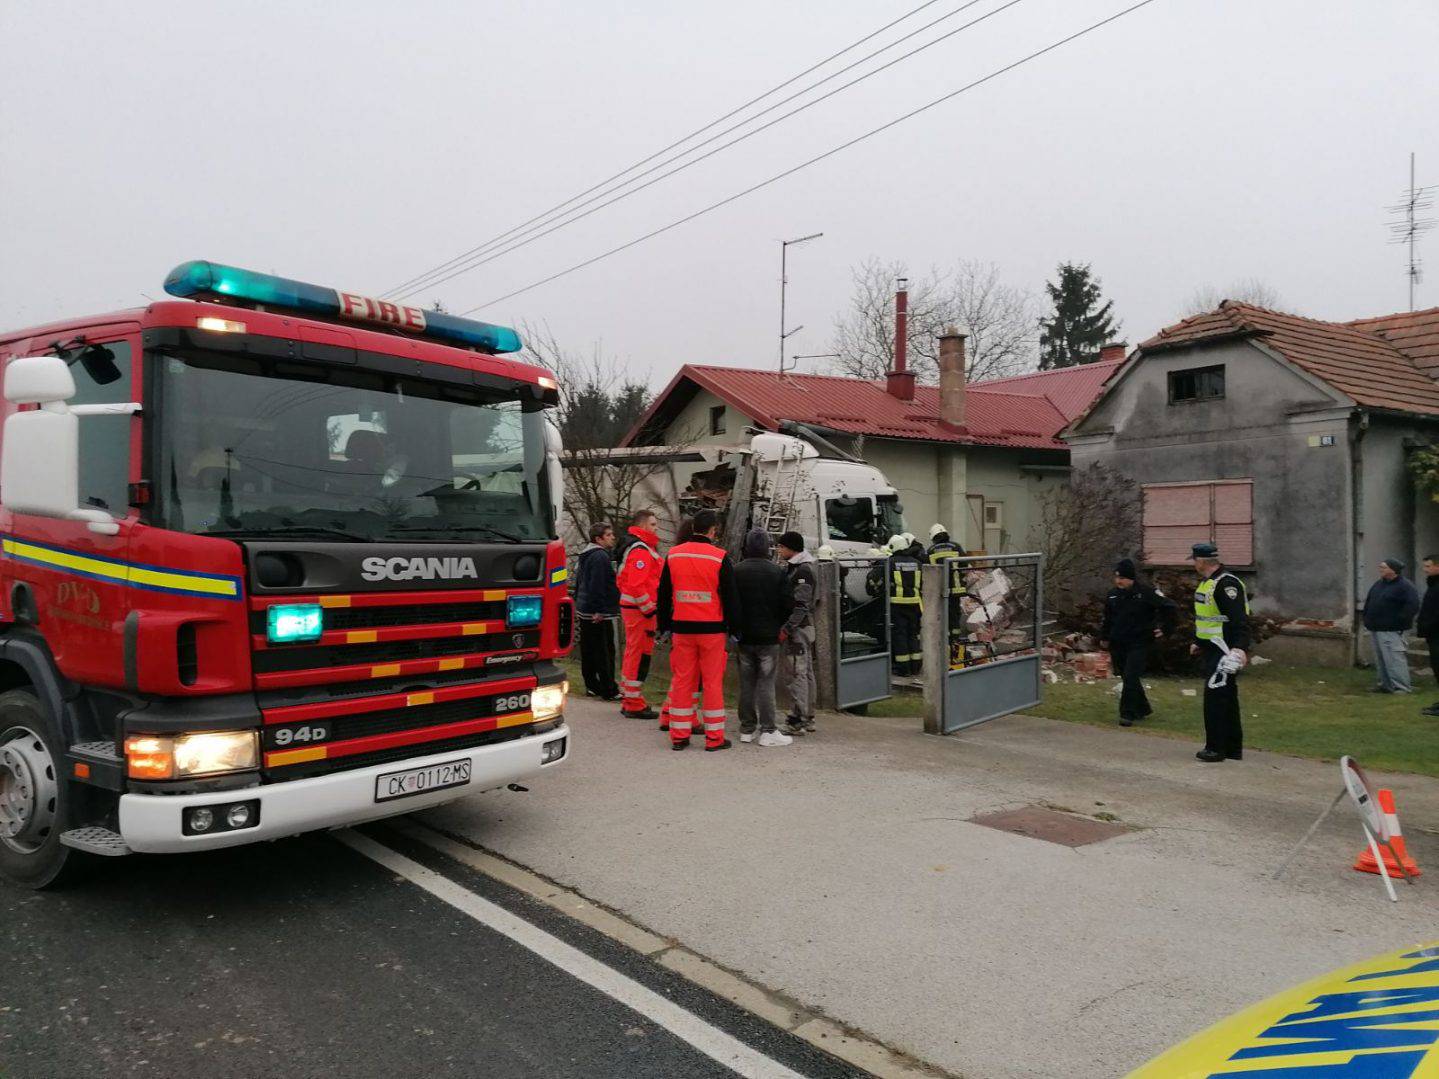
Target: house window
[
  {"x": 717, "y": 420},
  {"x": 1179, "y": 515},
  {"x": 994, "y": 515},
  {"x": 1196, "y": 384}
]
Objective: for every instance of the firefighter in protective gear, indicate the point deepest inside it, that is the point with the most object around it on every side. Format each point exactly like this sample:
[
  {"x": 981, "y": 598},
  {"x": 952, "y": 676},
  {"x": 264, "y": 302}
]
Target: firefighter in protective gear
[
  {"x": 905, "y": 606},
  {"x": 699, "y": 607},
  {"x": 639, "y": 584},
  {"x": 941, "y": 546},
  {"x": 1221, "y": 629},
  {"x": 942, "y": 552}
]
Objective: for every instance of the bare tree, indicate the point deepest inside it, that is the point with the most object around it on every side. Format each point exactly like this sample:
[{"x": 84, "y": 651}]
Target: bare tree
[
  {"x": 599, "y": 403},
  {"x": 1249, "y": 290},
  {"x": 1082, "y": 529},
  {"x": 1001, "y": 320}
]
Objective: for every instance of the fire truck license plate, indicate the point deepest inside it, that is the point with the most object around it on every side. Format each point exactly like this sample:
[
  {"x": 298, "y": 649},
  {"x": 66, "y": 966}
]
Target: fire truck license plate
[{"x": 422, "y": 780}]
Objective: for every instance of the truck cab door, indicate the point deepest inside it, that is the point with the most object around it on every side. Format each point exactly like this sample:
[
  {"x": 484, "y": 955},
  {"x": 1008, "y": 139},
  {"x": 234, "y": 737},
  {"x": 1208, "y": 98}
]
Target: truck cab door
[{"x": 60, "y": 576}]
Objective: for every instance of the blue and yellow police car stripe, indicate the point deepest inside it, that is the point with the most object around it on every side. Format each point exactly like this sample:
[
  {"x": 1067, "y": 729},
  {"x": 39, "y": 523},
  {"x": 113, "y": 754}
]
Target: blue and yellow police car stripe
[
  {"x": 114, "y": 571},
  {"x": 1375, "y": 1020}
]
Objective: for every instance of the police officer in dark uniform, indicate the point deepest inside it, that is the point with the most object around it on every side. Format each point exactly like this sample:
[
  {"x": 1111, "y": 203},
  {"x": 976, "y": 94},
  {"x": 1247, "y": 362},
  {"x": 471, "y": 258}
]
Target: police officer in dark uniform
[
  {"x": 1222, "y": 637},
  {"x": 1133, "y": 613}
]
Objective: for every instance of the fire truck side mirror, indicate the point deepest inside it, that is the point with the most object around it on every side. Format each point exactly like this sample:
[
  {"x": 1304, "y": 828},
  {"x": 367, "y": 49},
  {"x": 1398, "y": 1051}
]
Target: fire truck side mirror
[{"x": 40, "y": 463}]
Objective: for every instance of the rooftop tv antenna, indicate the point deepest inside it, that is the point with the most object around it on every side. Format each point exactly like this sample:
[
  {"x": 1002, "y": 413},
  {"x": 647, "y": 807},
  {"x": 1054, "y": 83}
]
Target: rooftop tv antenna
[
  {"x": 1411, "y": 225},
  {"x": 785, "y": 335}
]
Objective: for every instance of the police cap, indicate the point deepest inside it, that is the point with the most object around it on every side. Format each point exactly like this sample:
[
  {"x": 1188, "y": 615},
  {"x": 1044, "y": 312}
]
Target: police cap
[{"x": 1204, "y": 550}]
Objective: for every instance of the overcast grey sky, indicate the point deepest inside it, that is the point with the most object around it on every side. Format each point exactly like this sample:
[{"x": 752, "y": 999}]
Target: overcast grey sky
[{"x": 356, "y": 144}]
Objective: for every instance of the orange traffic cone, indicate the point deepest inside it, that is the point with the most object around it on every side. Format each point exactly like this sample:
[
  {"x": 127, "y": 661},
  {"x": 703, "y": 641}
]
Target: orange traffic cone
[{"x": 1365, "y": 862}]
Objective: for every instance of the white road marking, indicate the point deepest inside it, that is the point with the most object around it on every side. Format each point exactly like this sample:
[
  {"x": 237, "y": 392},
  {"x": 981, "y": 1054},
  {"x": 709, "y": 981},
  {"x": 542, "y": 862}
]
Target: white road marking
[{"x": 685, "y": 1025}]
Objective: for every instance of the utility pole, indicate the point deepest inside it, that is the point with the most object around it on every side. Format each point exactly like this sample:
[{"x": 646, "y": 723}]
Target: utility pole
[
  {"x": 784, "y": 334},
  {"x": 1410, "y": 226}
]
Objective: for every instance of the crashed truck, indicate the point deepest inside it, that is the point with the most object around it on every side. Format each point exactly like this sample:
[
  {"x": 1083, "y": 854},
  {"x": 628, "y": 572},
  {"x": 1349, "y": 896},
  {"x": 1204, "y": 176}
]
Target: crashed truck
[
  {"x": 791, "y": 480},
  {"x": 796, "y": 479}
]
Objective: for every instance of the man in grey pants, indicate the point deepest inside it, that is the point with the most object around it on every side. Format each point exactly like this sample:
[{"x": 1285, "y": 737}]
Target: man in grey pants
[
  {"x": 1389, "y": 612},
  {"x": 763, "y": 590},
  {"x": 799, "y": 632}
]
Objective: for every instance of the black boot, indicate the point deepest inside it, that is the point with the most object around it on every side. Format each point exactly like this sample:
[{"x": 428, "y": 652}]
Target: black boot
[{"x": 1209, "y": 756}]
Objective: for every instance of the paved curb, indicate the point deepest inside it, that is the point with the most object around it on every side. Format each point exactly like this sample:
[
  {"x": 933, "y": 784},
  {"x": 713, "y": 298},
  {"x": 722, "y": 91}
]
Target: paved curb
[{"x": 778, "y": 1009}]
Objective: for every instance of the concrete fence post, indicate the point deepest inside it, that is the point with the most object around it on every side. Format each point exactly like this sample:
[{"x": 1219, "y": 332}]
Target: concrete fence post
[
  {"x": 934, "y": 639},
  {"x": 826, "y": 637}
]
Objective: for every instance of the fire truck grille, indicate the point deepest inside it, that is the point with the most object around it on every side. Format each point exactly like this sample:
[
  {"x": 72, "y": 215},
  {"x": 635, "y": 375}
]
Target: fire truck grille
[
  {"x": 300, "y": 658},
  {"x": 412, "y": 615},
  {"x": 391, "y": 720}
]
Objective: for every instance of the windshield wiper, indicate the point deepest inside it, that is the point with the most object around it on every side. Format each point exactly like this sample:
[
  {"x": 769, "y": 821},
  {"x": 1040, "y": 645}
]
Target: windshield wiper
[
  {"x": 508, "y": 537},
  {"x": 260, "y": 532}
]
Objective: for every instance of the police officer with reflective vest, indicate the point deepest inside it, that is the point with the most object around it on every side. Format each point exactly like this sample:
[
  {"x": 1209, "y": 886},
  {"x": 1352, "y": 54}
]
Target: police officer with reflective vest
[
  {"x": 639, "y": 579},
  {"x": 1221, "y": 629},
  {"x": 699, "y": 606},
  {"x": 905, "y": 606},
  {"x": 942, "y": 552}
]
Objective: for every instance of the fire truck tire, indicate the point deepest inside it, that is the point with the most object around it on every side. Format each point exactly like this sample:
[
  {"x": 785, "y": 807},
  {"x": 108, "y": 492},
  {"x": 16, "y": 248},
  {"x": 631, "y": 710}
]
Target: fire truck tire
[{"x": 34, "y": 796}]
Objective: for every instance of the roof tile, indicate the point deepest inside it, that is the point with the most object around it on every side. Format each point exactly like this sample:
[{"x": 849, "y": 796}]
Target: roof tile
[
  {"x": 1380, "y": 362},
  {"x": 1027, "y": 411}
]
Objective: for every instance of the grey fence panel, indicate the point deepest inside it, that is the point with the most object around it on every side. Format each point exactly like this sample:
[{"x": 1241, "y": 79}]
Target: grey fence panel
[
  {"x": 983, "y": 633},
  {"x": 861, "y": 652}
]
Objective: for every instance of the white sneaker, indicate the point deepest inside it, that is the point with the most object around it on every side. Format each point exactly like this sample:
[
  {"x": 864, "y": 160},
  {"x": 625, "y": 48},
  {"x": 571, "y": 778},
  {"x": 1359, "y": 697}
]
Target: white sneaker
[
  {"x": 774, "y": 738},
  {"x": 746, "y": 737}
]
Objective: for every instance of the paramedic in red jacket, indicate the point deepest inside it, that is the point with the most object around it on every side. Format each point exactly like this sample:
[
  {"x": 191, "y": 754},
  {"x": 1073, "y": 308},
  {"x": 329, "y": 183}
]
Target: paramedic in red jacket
[
  {"x": 639, "y": 581},
  {"x": 699, "y": 605}
]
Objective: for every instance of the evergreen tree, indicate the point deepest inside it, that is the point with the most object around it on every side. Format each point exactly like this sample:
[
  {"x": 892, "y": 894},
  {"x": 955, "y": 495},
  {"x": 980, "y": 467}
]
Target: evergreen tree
[{"x": 1081, "y": 323}]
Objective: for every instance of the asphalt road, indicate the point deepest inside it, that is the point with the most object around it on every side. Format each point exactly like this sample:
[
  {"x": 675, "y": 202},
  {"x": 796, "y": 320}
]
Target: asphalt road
[{"x": 305, "y": 958}]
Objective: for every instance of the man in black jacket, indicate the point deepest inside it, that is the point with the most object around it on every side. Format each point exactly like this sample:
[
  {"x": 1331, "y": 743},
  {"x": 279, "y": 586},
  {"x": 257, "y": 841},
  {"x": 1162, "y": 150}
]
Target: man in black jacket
[
  {"x": 1389, "y": 611},
  {"x": 764, "y": 604},
  {"x": 1133, "y": 613},
  {"x": 798, "y": 634},
  {"x": 597, "y": 606},
  {"x": 1428, "y": 625}
]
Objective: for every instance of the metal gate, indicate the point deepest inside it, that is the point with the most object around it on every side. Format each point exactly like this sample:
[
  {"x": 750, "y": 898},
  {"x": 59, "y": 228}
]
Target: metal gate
[
  {"x": 861, "y": 595},
  {"x": 984, "y": 636}
]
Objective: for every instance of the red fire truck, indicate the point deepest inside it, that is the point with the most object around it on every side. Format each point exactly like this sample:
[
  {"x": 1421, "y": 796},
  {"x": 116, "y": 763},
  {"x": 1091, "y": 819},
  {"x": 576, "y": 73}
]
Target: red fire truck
[{"x": 276, "y": 558}]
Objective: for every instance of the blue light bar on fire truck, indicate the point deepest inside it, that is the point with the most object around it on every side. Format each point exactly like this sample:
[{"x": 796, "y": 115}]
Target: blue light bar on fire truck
[{"x": 212, "y": 281}]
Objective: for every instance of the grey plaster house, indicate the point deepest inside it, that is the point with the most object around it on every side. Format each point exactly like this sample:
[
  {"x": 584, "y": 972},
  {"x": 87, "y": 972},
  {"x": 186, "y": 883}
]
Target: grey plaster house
[{"x": 1286, "y": 441}]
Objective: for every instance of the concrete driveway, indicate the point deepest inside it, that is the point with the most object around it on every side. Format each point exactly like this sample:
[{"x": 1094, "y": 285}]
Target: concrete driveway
[{"x": 844, "y": 871}]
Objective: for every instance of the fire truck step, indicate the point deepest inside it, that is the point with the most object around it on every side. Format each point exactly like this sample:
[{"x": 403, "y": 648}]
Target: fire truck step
[
  {"x": 95, "y": 840},
  {"x": 100, "y": 751}
]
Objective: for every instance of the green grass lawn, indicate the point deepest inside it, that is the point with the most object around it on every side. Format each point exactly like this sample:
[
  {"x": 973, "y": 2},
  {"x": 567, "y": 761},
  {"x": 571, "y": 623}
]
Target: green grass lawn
[{"x": 1314, "y": 712}]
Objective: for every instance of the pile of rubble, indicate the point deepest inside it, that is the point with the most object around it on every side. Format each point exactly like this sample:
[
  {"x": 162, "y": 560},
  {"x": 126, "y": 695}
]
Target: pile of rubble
[{"x": 1076, "y": 657}]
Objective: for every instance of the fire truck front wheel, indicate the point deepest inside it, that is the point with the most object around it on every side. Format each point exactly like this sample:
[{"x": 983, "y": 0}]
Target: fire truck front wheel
[{"x": 34, "y": 795}]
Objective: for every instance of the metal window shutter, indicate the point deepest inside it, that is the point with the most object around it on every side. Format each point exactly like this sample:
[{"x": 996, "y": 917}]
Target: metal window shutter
[
  {"x": 1175, "y": 518},
  {"x": 1234, "y": 521}
]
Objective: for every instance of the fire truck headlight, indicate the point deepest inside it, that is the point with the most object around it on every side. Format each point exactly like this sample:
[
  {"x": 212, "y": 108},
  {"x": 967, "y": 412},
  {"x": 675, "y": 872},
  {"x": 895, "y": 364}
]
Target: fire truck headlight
[
  {"x": 216, "y": 751},
  {"x": 156, "y": 756},
  {"x": 546, "y": 702}
]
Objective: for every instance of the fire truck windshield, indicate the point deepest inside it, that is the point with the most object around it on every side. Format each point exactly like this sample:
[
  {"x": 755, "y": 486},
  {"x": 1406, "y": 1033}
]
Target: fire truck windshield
[{"x": 257, "y": 447}]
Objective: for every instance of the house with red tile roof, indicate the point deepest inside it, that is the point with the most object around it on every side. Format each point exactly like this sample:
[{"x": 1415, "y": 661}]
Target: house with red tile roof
[
  {"x": 973, "y": 457},
  {"x": 1286, "y": 441}
]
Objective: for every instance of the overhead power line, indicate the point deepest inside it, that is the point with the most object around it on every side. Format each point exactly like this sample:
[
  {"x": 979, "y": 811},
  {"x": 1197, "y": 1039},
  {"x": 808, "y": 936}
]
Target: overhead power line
[
  {"x": 618, "y": 194},
  {"x": 414, "y": 282},
  {"x": 816, "y": 159}
]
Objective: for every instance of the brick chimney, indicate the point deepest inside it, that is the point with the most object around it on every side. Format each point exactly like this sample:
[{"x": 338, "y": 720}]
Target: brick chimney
[
  {"x": 1112, "y": 352},
  {"x": 951, "y": 378},
  {"x": 900, "y": 382}
]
